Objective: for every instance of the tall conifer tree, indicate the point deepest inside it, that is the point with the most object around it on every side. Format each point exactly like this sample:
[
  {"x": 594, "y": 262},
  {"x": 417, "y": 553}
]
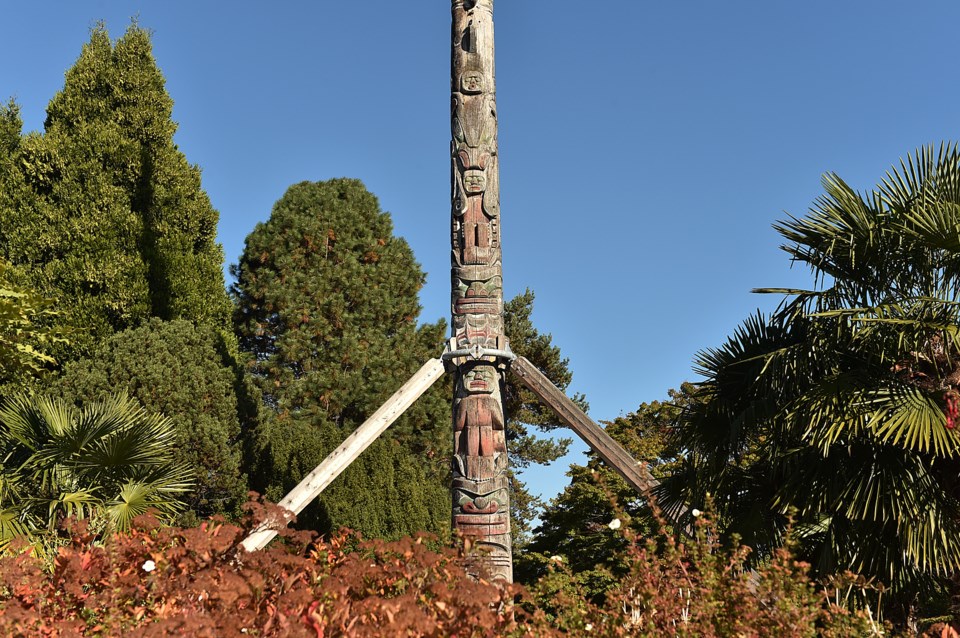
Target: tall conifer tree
[
  {"x": 327, "y": 307},
  {"x": 102, "y": 211}
]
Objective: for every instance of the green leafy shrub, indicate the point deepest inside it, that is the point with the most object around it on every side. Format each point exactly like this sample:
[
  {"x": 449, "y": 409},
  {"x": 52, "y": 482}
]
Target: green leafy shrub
[
  {"x": 24, "y": 337},
  {"x": 186, "y": 373}
]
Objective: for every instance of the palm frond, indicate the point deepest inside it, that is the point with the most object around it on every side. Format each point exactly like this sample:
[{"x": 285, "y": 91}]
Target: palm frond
[
  {"x": 76, "y": 504},
  {"x": 13, "y": 524},
  {"x": 834, "y": 404},
  {"x": 110, "y": 457},
  {"x": 907, "y": 417},
  {"x": 136, "y": 499}
]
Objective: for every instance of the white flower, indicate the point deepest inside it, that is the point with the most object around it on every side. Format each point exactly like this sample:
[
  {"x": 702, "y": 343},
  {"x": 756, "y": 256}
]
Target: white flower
[
  {"x": 149, "y": 566},
  {"x": 695, "y": 512},
  {"x": 588, "y": 627},
  {"x": 556, "y": 559},
  {"x": 614, "y": 524}
]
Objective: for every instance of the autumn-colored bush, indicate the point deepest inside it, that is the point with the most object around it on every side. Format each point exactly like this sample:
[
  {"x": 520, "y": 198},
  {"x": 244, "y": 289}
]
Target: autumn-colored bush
[
  {"x": 698, "y": 588},
  {"x": 165, "y": 581}
]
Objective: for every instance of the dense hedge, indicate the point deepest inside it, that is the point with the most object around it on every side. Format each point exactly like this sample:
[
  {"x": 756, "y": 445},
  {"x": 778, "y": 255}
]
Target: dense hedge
[
  {"x": 164, "y": 581},
  {"x": 188, "y": 374}
]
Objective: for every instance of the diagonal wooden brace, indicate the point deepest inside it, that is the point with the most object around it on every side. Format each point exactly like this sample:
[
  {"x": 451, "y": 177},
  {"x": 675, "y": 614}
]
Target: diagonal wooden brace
[
  {"x": 634, "y": 473},
  {"x": 361, "y": 438}
]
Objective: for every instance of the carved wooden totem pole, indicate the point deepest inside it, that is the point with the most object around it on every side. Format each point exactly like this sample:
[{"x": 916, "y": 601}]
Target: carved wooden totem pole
[
  {"x": 481, "y": 502},
  {"x": 478, "y": 354}
]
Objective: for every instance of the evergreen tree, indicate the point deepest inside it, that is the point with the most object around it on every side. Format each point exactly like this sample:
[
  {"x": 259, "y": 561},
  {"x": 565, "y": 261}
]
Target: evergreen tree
[
  {"x": 10, "y": 127},
  {"x": 24, "y": 339},
  {"x": 102, "y": 211},
  {"x": 524, "y": 410},
  {"x": 187, "y": 374},
  {"x": 577, "y": 523},
  {"x": 327, "y": 307}
]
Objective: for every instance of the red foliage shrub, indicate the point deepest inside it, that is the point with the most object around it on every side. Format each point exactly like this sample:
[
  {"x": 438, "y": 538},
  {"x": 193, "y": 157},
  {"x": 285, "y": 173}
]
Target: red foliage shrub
[
  {"x": 698, "y": 588},
  {"x": 163, "y": 581}
]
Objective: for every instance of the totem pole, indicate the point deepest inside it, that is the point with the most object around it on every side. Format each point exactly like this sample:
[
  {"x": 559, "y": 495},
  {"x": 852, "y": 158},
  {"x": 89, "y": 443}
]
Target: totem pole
[
  {"x": 478, "y": 354},
  {"x": 481, "y": 502}
]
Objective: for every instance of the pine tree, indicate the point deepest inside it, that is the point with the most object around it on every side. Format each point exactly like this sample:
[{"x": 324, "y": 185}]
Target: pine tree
[
  {"x": 327, "y": 307},
  {"x": 523, "y": 410},
  {"x": 102, "y": 211},
  {"x": 576, "y": 523}
]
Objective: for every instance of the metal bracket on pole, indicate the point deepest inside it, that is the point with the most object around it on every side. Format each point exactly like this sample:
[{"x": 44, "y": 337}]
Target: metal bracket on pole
[
  {"x": 338, "y": 460},
  {"x": 504, "y": 354}
]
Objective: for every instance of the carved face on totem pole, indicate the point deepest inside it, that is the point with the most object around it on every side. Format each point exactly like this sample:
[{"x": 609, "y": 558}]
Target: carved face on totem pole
[
  {"x": 476, "y": 215},
  {"x": 477, "y": 297},
  {"x": 481, "y": 502},
  {"x": 478, "y": 421},
  {"x": 471, "y": 82},
  {"x": 481, "y": 499}
]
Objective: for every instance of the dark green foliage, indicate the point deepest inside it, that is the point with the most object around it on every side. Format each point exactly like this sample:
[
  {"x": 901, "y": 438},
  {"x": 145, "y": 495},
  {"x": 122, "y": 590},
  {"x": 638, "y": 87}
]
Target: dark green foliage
[
  {"x": 327, "y": 307},
  {"x": 102, "y": 211},
  {"x": 841, "y": 405},
  {"x": 575, "y": 524},
  {"x": 522, "y": 407},
  {"x": 187, "y": 374},
  {"x": 524, "y": 410}
]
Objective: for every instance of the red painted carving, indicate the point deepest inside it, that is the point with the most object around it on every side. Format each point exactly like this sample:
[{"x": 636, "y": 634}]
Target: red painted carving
[
  {"x": 481, "y": 504},
  {"x": 482, "y": 525}
]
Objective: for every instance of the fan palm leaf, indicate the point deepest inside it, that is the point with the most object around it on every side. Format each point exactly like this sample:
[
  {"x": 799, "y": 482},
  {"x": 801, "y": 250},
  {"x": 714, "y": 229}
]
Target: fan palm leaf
[
  {"x": 108, "y": 459},
  {"x": 833, "y": 407}
]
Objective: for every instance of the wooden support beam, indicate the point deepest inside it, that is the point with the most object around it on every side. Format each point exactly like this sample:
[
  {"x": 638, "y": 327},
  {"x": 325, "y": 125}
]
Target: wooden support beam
[
  {"x": 634, "y": 473},
  {"x": 361, "y": 438}
]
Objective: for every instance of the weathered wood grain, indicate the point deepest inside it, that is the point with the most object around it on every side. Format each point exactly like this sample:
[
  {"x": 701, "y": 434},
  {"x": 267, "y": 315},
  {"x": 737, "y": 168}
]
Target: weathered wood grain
[
  {"x": 633, "y": 472},
  {"x": 481, "y": 502}
]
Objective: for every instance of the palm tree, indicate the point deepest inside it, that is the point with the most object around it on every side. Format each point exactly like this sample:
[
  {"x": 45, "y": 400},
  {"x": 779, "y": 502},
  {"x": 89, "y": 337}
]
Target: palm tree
[
  {"x": 839, "y": 408},
  {"x": 109, "y": 460}
]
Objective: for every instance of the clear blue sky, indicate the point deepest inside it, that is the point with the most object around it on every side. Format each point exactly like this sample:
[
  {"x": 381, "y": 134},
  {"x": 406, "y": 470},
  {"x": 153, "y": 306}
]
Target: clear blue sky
[{"x": 646, "y": 148}]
